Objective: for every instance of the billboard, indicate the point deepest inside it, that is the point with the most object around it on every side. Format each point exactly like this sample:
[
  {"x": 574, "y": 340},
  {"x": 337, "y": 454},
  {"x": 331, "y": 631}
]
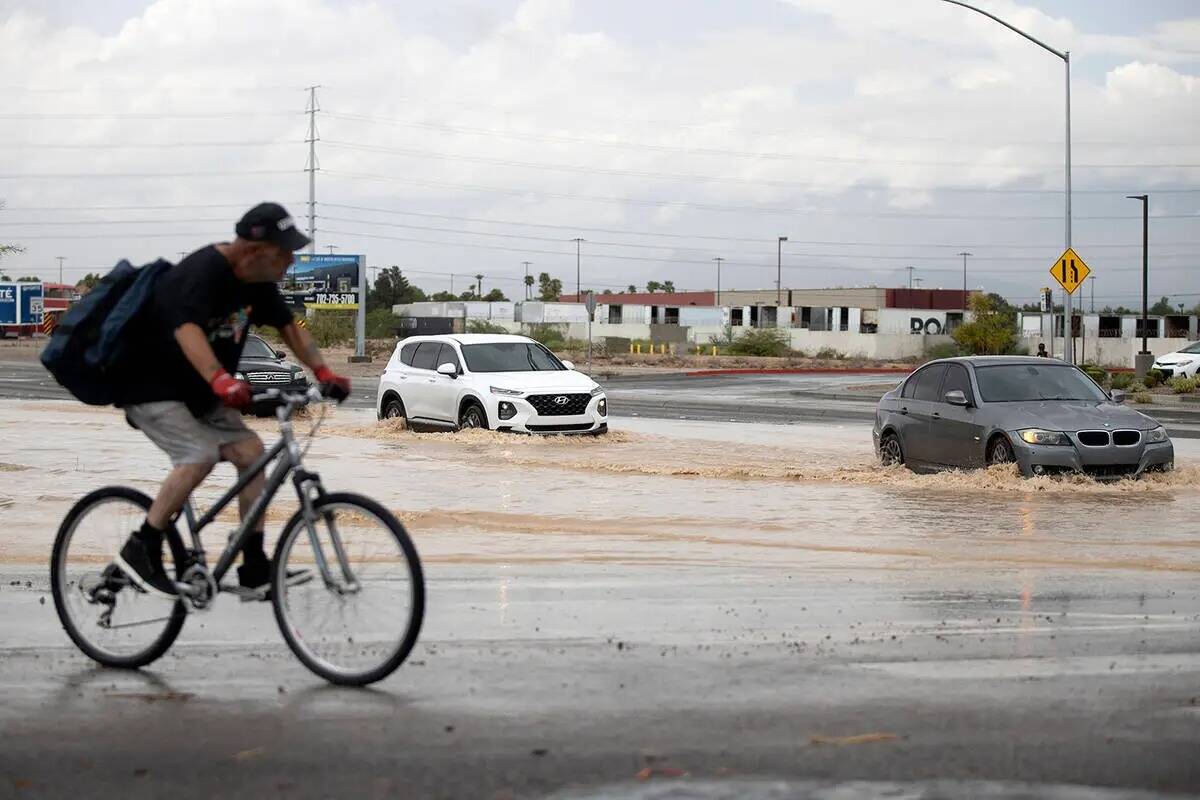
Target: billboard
[
  {"x": 21, "y": 303},
  {"x": 323, "y": 281}
]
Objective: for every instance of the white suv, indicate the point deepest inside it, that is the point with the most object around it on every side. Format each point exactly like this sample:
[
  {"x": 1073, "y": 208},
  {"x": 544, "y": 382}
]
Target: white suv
[{"x": 507, "y": 383}]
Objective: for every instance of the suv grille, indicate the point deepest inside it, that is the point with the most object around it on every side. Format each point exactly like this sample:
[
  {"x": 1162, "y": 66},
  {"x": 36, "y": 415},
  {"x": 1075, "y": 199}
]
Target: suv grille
[
  {"x": 1126, "y": 438},
  {"x": 1094, "y": 438},
  {"x": 559, "y": 405}
]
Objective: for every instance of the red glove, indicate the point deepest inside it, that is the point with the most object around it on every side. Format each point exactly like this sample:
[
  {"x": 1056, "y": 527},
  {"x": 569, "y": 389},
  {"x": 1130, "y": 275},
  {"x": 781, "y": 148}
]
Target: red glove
[
  {"x": 233, "y": 393},
  {"x": 333, "y": 385}
]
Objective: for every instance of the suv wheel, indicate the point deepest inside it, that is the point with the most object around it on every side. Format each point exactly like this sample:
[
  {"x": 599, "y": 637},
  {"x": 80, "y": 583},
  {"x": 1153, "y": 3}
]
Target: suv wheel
[
  {"x": 394, "y": 409},
  {"x": 472, "y": 416}
]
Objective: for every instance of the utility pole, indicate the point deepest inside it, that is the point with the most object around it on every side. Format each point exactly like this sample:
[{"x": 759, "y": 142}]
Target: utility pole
[
  {"x": 578, "y": 282},
  {"x": 910, "y": 275},
  {"x": 61, "y": 259},
  {"x": 1144, "y": 360},
  {"x": 965, "y": 304},
  {"x": 1092, "y": 282},
  {"x": 779, "y": 274},
  {"x": 332, "y": 247},
  {"x": 181, "y": 255},
  {"x": 312, "y": 167},
  {"x": 528, "y": 287},
  {"x": 718, "y": 259}
]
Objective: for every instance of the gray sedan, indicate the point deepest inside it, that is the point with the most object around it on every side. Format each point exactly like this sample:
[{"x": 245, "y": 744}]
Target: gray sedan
[{"x": 1046, "y": 416}]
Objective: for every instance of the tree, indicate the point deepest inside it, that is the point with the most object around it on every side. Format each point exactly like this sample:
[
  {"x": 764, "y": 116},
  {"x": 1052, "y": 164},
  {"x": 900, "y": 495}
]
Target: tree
[
  {"x": 607, "y": 291},
  {"x": 88, "y": 283},
  {"x": 550, "y": 289},
  {"x": 495, "y": 296},
  {"x": 479, "y": 286},
  {"x": 9, "y": 249},
  {"x": 993, "y": 329},
  {"x": 1162, "y": 307},
  {"x": 669, "y": 287},
  {"x": 529, "y": 281},
  {"x": 392, "y": 288},
  {"x": 653, "y": 286},
  {"x": 444, "y": 297},
  {"x": 632, "y": 289},
  {"x": 29, "y": 279}
]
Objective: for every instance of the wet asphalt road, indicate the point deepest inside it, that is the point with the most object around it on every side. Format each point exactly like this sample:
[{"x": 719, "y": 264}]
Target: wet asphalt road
[{"x": 541, "y": 681}]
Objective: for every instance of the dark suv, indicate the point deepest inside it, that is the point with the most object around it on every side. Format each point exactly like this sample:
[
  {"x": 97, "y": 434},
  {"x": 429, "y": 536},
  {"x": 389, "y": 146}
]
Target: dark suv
[{"x": 264, "y": 367}]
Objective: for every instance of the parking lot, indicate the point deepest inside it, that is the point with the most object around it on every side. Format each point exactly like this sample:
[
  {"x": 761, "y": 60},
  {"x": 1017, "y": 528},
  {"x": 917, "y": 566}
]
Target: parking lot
[{"x": 704, "y": 601}]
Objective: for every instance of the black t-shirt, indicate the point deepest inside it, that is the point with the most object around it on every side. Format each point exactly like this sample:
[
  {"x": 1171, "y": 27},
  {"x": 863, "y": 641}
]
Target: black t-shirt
[{"x": 201, "y": 289}]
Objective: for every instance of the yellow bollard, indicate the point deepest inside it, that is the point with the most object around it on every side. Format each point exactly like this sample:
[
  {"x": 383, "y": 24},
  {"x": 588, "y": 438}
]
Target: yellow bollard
[
  {"x": 631, "y": 348},
  {"x": 638, "y": 348},
  {"x": 714, "y": 349}
]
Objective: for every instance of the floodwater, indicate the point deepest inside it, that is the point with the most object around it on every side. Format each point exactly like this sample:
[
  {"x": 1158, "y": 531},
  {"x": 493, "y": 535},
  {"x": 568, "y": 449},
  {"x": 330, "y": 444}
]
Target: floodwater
[{"x": 652, "y": 493}]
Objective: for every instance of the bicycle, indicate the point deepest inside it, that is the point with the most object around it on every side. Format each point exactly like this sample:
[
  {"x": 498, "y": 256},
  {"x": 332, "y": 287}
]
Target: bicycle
[{"x": 365, "y": 563}]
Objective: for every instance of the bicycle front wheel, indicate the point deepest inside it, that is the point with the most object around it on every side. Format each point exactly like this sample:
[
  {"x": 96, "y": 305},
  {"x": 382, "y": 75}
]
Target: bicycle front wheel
[
  {"x": 107, "y": 617},
  {"x": 357, "y": 619}
]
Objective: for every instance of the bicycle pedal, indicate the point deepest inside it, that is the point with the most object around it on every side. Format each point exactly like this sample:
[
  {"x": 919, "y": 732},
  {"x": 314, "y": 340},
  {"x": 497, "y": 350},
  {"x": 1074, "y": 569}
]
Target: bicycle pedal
[{"x": 247, "y": 594}]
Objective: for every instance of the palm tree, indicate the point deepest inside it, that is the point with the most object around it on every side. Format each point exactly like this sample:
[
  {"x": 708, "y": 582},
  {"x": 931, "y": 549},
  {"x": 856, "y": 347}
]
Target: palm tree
[
  {"x": 479, "y": 286},
  {"x": 528, "y": 286},
  {"x": 669, "y": 287},
  {"x": 632, "y": 289}
]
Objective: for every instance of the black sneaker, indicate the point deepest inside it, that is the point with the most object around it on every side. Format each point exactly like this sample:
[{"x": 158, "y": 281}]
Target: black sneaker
[
  {"x": 254, "y": 580},
  {"x": 143, "y": 566}
]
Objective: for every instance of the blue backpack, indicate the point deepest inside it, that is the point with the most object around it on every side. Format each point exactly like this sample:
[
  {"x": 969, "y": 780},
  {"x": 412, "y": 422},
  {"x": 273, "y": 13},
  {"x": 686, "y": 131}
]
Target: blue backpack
[{"x": 90, "y": 341}]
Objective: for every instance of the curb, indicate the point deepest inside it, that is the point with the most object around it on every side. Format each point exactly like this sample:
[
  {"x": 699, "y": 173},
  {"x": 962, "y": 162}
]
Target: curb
[{"x": 704, "y": 373}]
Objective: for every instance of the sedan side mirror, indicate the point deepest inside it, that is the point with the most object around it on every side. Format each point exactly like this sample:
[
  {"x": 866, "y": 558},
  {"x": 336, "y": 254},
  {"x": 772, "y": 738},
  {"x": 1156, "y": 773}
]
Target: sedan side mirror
[
  {"x": 955, "y": 397},
  {"x": 1118, "y": 396},
  {"x": 568, "y": 364},
  {"x": 448, "y": 369}
]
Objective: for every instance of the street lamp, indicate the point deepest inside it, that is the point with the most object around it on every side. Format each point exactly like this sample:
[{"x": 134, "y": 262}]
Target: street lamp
[
  {"x": 1065, "y": 55},
  {"x": 1144, "y": 360},
  {"x": 718, "y": 259},
  {"x": 779, "y": 274}
]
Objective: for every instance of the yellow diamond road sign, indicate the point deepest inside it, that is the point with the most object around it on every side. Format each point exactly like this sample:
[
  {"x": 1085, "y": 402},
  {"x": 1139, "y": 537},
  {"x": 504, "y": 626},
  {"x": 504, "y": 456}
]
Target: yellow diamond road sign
[{"x": 1069, "y": 271}]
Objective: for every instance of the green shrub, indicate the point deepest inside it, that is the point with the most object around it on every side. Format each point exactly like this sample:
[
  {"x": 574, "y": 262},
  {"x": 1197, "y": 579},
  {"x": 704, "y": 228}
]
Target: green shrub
[
  {"x": 1122, "y": 380},
  {"x": 382, "y": 324},
  {"x": 550, "y": 335},
  {"x": 483, "y": 326},
  {"x": 946, "y": 350},
  {"x": 332, "y": 328},
  {"x": 1141, "y": 397},
  {"x": 1183, "y": 385},
  {"x": 1096, "y": 373},
  {"x": 1154, "y": 378},
  {"x": 762, "y": 342}
]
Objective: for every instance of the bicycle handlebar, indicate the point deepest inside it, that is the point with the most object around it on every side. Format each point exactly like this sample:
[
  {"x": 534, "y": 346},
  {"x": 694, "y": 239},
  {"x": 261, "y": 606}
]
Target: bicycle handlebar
[{"x": 291, "y": 400}]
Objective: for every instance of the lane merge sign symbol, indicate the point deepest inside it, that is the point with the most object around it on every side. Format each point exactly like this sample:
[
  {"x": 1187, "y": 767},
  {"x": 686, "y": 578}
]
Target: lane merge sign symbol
[{"x": 1070, "y": 271}]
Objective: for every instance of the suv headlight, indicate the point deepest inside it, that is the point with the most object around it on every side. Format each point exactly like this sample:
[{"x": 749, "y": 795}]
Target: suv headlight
[
  {"x": 239, "y": 376},
  {"x": 597, "y": 391},
  {"x": 1039, "y": 436},
  {"x": 506, "y": 392},
  {"x": 1157, "y": 435}
]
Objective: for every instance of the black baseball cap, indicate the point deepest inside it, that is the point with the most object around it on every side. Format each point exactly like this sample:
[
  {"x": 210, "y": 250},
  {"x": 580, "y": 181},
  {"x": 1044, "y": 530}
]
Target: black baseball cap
[{"x": 270, "y": 222}]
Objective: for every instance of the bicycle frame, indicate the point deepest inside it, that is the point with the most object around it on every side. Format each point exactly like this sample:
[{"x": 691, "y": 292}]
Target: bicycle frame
[{"x": 308, "y": 489}]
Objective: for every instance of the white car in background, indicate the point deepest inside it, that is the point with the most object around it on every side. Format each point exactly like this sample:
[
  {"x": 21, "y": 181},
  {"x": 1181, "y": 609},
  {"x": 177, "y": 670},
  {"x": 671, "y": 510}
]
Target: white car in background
[
  {"x": 1182, "y": 363},
  {"x": 505, "y": 383}
]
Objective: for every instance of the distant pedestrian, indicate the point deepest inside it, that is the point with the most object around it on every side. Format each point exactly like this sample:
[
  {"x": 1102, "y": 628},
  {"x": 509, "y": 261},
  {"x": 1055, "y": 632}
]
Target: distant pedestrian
[{"x": 1042, "y": 350}]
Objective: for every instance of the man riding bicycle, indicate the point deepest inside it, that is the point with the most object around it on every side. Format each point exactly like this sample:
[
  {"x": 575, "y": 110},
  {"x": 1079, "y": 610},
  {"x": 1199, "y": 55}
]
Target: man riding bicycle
[{"x": 182, "y": 394}]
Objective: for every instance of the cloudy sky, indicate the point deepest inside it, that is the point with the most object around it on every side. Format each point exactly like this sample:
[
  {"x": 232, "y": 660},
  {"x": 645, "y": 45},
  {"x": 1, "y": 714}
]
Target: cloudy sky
[{"x": 468, "y": 136}]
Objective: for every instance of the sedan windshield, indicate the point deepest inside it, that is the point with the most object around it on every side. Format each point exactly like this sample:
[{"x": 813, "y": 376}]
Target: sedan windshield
[
  {"x": 1191, "y": 349},
  {"x": 510, "y": 357},
  {"x": 1014, "y": 383}
]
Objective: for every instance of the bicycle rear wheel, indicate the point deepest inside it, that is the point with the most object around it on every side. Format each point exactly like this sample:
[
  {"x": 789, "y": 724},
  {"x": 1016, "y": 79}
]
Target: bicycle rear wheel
[
  {"x": 108, "y": 618},
  {"x": 350, "y": 629}
]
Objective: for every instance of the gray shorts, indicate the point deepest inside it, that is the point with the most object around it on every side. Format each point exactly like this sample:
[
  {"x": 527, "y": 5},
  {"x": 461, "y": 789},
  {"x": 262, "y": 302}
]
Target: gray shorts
[{"x": 184, "y": 438}]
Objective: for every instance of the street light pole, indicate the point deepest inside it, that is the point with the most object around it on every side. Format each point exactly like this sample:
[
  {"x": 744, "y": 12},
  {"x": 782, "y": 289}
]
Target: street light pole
[
  {"x": 779, "y": 275},
  {"x": 964, "y": 255},
  {"x": 578, "y": 282},
  {"x": 61, "y": 259},
  {"x": 1065, "y": 55},
  {"x": 528, "y": 286},
  {"x": 1144, "y": 360},
  {"x": 718, "y": 259},
  {"x": 910, "y": 275}
]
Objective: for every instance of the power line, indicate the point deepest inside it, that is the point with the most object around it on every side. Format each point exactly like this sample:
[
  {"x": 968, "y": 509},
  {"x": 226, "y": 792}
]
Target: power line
[
  {"x": 716, "y": 207},
  {"x": 147, "y": 175},
  {"x": 844, "y": 186},
  {"x": 154, "y": 115},
  {"x": 142, "y": 145}
]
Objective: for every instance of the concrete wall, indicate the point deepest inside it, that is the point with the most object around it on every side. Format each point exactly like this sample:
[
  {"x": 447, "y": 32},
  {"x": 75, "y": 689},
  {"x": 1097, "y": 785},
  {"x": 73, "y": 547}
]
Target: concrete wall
[
  {"x": 864, "y": 345},
  {"x": 1112, "y": 352}
]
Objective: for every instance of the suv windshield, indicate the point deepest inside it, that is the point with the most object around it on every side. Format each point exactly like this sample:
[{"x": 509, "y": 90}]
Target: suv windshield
[
  {"x": 1014, "y": 383},
  {"x": 257, "y": 348},
  {"x": 510, "y": 357}
]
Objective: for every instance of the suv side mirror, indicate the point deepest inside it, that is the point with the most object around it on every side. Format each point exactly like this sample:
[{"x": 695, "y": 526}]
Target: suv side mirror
[
  {"x": 448, "y": 369},
  {"x": 280, "y": 354},
  {"x": 1118, "y": 396},
  {"x": 955, "y": 397},
  {"x": 568, "y": 364}
]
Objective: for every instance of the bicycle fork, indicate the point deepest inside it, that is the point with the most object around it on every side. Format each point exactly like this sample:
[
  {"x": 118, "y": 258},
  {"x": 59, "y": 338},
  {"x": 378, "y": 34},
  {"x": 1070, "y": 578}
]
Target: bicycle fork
[{"x": 309, "y": 488}]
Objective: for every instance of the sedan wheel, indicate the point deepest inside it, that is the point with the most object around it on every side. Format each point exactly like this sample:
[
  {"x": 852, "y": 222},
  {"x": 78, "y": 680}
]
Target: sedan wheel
[
  {"x": 472, "y": 417},
  {"x": 890, "y": 453},
  {"x": 1001, "y": 453}
]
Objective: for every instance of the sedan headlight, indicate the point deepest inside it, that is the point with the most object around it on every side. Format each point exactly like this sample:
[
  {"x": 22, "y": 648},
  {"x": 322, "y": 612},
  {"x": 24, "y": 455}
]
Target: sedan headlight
[
  {"x": 1039, "y": 436},
  {"x": 506, "y": 392},
  {"x": 597, "y": 391},
  {"x": 1157, "y": 435}
]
